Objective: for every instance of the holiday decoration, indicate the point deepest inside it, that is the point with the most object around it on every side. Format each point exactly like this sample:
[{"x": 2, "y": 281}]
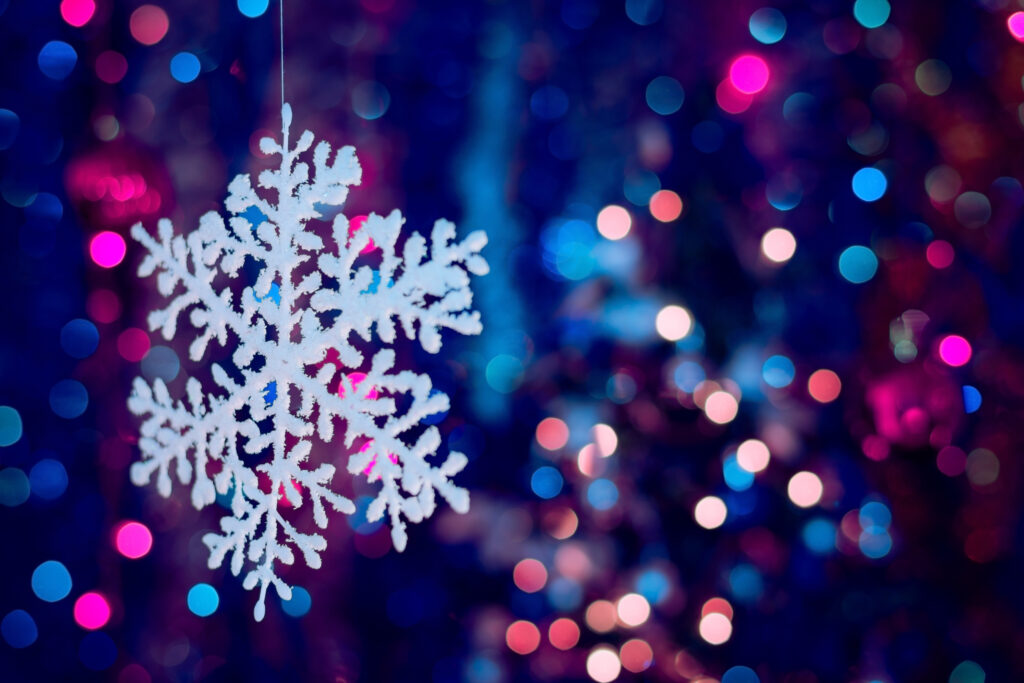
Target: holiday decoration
[{"x": 308, "y": 305}]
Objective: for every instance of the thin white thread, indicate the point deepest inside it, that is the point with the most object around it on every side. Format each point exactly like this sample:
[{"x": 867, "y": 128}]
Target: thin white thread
[{"x": 281, "y": 8}]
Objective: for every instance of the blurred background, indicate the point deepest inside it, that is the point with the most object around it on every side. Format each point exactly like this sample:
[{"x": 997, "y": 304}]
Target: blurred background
[{"x": 748, "y": 402}]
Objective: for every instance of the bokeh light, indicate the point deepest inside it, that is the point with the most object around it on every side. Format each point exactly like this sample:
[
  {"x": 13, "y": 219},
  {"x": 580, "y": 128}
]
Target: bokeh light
[
  {"x": 185, "y": 67},
  {"x": 111, "y": 66},
  {"x": 51, "y": 581},
  {"x": 614, "y": 222},
  {"x": 955, "y": 351},
  {"x": 824, "y": 386},
  {"x": 19, "y": 629},
  {"x": 633, "y": 609},
  {"x": 600, "y": 616},
  {"x": 149, "y": 24},
  {"x": 749, "y": 74},
  {"x": 552, "y": 433},
  {"x": 564, "y": 633},
  {"x": 253, "y": 8},
  {"x": 522, "y": 637},
  {"x": 77, "y": 12},
  {"x": 10, "y": 426},
  {"x": 858, "y": 264},
  {"x": 710, "y": 512},
  {"x": 48, "y": 479},
  {"x": 546, "y": 482},
  {"x": 107, "y": 249},
  {"x": 202, "y": 599},
  {"x": 530, "y": 575},
  {"x": 805, "y": 489},
  {"x": 753, "y": 455},
  {"x": 133, "y": 540},
  {"x": 603, "y": 664},
  {"x": 767, "y": 25},
  {"x": 666, "y": 206},
  {"x": 665, "y": 95},
  {"x": 92, "y": 611},
  {"x": 778, "y": 245},
  {"x": 715, "y": 628},
  {"x": 1015, "y": 23},
  {"x": 57, "y": 60},
  {"x": 721, "y": 407},
  {"x": 673, "y": 322},
  {"x": 869, "y": 184},
  {"x": 871, "y": 13},
  {"x": 636, "y": 655}
]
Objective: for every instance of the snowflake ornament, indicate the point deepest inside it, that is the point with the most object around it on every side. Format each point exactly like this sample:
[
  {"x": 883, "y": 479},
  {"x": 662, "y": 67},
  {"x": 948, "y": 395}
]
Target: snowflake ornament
[{"x": 249, "y": 438}]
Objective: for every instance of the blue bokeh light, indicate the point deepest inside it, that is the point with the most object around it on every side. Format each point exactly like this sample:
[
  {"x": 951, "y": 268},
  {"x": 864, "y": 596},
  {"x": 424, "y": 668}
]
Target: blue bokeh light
[
  {"x": 51, "y": 581},
  {"x": 14, "y": 487},
  {"x": 299, "y": 604},
  {"x": 79, "y": 338},
  {"x": 778, "y": 371},
  {"x": 185, "y": 67},
  {"x": 819, "y": 536},
  {"x": 972, "y": 399},
  {"x": 97, "y": 651},
  {"x": 57, "y": 60},
  {"x": 858, "y": 264},
  {"x": 740, "y": 674},
  {"x": 871, "y": 13},
  {"x": 203, "y": 599},
  {"x": 69, "y": 398},
  {"x": 10, "y": 426},
  {"x": 644, "y": 12},
  {"x": 19, "y": 629},
  {"x": 253, "y": 8},
  {"x": 546, "y": 482},
  {"x": 767, "y": 25},
  {"x": 746, "y": 583},
  {"x": 869, "y": 184},
  {"x": 370, "y": 100},
  {"x": 665, "y": 95},
  {"x": 549, "y": 102},
  {"x": 736, "y": 478},
  {"x": 602, "y": 494}
]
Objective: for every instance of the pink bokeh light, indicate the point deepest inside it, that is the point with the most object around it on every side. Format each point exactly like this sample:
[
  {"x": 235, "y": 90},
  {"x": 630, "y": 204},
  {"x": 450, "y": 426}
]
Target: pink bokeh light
[
  {"x": 133, "y": 540},
  {"x": 954, "y": 350},
  {"x": 749, "y": 74},
  {"x": 92, "y": 611},
  {"x": 1015, "y": 22},
  {"x": 730, "y": 99},
  {"x": 77, "y": 12},
  {"x": 107, "y": 249}
]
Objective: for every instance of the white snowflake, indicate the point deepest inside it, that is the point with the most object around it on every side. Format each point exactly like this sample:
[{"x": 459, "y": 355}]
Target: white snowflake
[{"x": 306, "y": 301}]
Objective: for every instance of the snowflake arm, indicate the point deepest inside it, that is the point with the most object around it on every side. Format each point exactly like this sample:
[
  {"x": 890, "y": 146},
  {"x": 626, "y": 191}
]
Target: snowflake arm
[{"x": 250, "y": 437}]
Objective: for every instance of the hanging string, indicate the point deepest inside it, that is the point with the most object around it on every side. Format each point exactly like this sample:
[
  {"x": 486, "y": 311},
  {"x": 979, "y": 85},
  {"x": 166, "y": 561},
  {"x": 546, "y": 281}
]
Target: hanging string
[{"x": 281, "y": 8}]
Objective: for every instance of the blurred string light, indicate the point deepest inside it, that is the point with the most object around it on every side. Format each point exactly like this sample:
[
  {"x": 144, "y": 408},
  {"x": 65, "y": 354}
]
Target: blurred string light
[
  {"x": 19, "y": 629},
  {"x": 202, "y": 599},
  {"x": 871, "y": 13},
  {"x": 614, "y": 222},
  {"x": 778, "y": 371},
  {"x": 824, "y": 385},
  {"x": 749, "y": 74},
  {"x": 77, "y": 12},
  {"x": 805, "y": 489},
  {"x": 51, "y": 581},
  {"x": 552, "y": 433},
  {"x": 57, "y": 60},
  {"x": 299, "y": 604},
  {"x": 603, "y": 664},
  {"x": 869, "y": 184},
  {"x": 92, "y": 611},
  {"x": 954, "y": 350},
  {"x": 107, "y": 249},
  {"x": 710, "y": 512},
  {"x": 133, "y": 540},
  {"x": 1015, "y": 24},
  {"x": 48, "y": 479},
  {"x": 673, "y": 322},
  {"x": 666, "y": 206}
]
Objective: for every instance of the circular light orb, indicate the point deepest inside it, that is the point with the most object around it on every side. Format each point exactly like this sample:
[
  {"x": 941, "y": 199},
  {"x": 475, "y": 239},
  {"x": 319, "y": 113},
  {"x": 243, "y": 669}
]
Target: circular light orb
[
  {"x": 1015, "y": 23},
  {"x": 955, "y": 351},
  {"x": 666, "y": 206},
  {"x": 51, "y": 581},
  {"x": 637, "y": 655},
  {"x": 603, "y": 664},
  {"x": 710, "y": 512},
  {"x": 805, "y": 489},
  {"x": 253, "y": 8},
  {"x": 600, "y": 616},
  {"x": 202, "y": 599},
  {"x": 77, "y": 12},
  {"x": 299, "y": 604},
  {"x": 107, "y": 249},
  {"x": 940, "y": 254},
  {"x": 529, "y": 575},
  {"x": 69, "y": 398},
  {"x": 15, "y": 487},
  {"x": 778, "y": 245},
  {"x": 633, "y": 609},
  {"x": 824, "y": 386},
  {"x": 79, "y": 338},
  {"x": 767, "y": 25},
  {"x": 967, "y": 672},
  {"x": 546, "y": 482},
  {"x": 133, "y": 540},
  {"x": 522, "y": 637},
  {"x": 673, "y": 322},
  {"x": 552, "y": 433},
  {"x": 858, "y": 264},
  {"x": 749, "y": 74},
  {"x": 715, "y": 628},
  {"x": 49, "y": 479},
  {"x": 92, "y": 611},
  {"x": 721, "y": 407},
  {"x": 614, "y": 222},
  {"x": 19, "y": 629},
  {"x": 753, "y": 455},
  {"x": 148, "y": 24},
  {"x": 57, "y": 60},
  {"x": 871, "y": 13},
  {"x": 605, "y": 439},
  {"x": 869, "y": 184},
  {"x": 665, "y": 95},
  {"x": 778, "y": 371},
  {"x": 370, "y": 100},
  {"x": 563, "y": 633},
  {"x": 10, "y": 426},
  {"x": 185, "y": 67}
]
